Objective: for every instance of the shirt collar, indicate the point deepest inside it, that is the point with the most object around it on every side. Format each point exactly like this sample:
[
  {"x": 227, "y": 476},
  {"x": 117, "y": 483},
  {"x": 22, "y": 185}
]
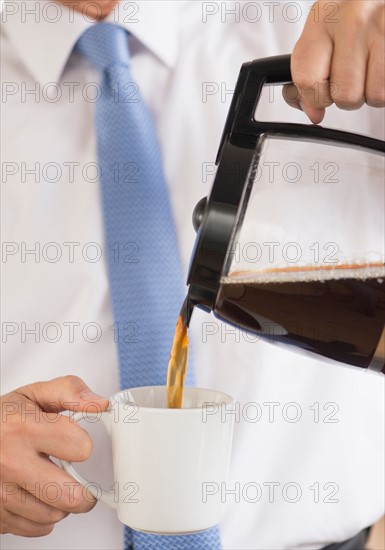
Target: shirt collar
[{"x": 45, "y": 39}]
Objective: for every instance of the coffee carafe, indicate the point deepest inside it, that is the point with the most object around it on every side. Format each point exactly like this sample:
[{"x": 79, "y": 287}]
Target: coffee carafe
[{"x": 290, "y": 242}]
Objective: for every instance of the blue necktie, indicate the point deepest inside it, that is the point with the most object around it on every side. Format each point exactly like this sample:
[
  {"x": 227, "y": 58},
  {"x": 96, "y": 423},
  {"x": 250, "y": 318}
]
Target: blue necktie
[{"x": 145, "y": 275}]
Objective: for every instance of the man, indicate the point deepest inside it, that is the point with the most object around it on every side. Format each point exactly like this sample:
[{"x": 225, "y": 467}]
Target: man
[{"x": 185, "y": 57}]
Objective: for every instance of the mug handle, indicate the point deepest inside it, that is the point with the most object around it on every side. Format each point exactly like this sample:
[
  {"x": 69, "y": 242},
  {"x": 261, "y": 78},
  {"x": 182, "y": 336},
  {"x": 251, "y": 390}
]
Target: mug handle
[{"x": 104, "y": 495}]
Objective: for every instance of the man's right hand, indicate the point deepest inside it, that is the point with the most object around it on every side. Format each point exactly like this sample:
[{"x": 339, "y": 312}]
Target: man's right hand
[{"x": 35, "y": 493}]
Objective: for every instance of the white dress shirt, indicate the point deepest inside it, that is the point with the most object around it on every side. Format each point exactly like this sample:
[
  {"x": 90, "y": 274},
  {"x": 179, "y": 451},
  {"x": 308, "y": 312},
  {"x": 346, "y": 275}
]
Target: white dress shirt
[{"x": 185, "y": 58}]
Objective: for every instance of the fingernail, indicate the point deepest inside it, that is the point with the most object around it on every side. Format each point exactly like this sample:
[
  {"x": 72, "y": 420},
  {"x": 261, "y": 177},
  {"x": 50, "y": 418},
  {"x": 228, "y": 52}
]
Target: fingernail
[{"x": 88, "y": 395}]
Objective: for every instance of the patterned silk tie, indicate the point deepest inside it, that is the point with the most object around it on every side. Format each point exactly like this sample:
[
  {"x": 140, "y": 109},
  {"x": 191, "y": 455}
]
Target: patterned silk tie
[{"x": 144, "y": 268}]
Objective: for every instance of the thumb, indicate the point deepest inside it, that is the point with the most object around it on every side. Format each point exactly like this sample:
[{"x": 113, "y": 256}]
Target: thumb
[
  {"x": 316, "y": 114},
  {"x": 64, "y": 393},
  {"x": 293, "y": 98}
]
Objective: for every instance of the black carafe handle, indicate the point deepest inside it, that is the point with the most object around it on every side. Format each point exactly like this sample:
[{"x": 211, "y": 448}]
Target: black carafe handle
[{"x": 254, "y": 75}]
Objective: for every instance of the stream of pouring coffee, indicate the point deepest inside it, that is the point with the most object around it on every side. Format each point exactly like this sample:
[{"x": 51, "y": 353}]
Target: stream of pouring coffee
[
  {"x": 334, "y": 311},
  {"x": 177, "y": 365}
]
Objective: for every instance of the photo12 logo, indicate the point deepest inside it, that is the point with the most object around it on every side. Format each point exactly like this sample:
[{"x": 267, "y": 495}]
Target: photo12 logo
[
  {"x": 55, "y": 12},
  {"x": 270, "y": 492},
  {"x": 271, "y": 412},
  {"x": 70, "y": 491}
]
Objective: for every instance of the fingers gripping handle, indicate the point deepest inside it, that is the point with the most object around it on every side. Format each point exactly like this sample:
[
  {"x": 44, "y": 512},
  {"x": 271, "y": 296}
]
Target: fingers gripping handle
[{"x": 92, "y": 487}]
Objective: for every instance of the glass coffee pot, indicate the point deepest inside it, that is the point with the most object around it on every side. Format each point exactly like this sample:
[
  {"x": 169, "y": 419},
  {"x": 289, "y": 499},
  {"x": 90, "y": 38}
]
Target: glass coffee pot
[{"x": 290, "y": 242}]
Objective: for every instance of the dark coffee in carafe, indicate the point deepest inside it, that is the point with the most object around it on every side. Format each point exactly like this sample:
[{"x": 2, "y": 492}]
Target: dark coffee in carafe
[{"x": 338, "y": 313}]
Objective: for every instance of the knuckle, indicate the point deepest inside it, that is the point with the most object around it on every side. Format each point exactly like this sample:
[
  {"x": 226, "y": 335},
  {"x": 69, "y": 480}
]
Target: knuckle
[
  {"x": 72, "y": 381},
  {"x": 313, "y": 90},
  {"x": 44, "y": 530},
  {"x": 5, "y": 528},
  {"x": 5, "y": 523},
  {"x": 9, "y": 468},
  {"x": 376, "y": 98},
  {"x": 305, "y": 83},
  {"x": 32, "y": 530},
  {"x": 11, "y": 427},
  {"x": 349, "y": 100},
  {"x": 75, "y": 501},
  {"x": 357, "y": 17},
  {"x": 84, "y": 447},
  {"x": 88, "y": 503},
  {"x": 85, "y": 450},
  {"x": 55, "y": 515},
  {"x": 301, "y": 47}
]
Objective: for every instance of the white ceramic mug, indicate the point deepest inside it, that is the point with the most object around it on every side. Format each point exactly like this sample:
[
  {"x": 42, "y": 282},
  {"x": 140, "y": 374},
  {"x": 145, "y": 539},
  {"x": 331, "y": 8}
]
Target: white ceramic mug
[{"x": 166, "y": 461}]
